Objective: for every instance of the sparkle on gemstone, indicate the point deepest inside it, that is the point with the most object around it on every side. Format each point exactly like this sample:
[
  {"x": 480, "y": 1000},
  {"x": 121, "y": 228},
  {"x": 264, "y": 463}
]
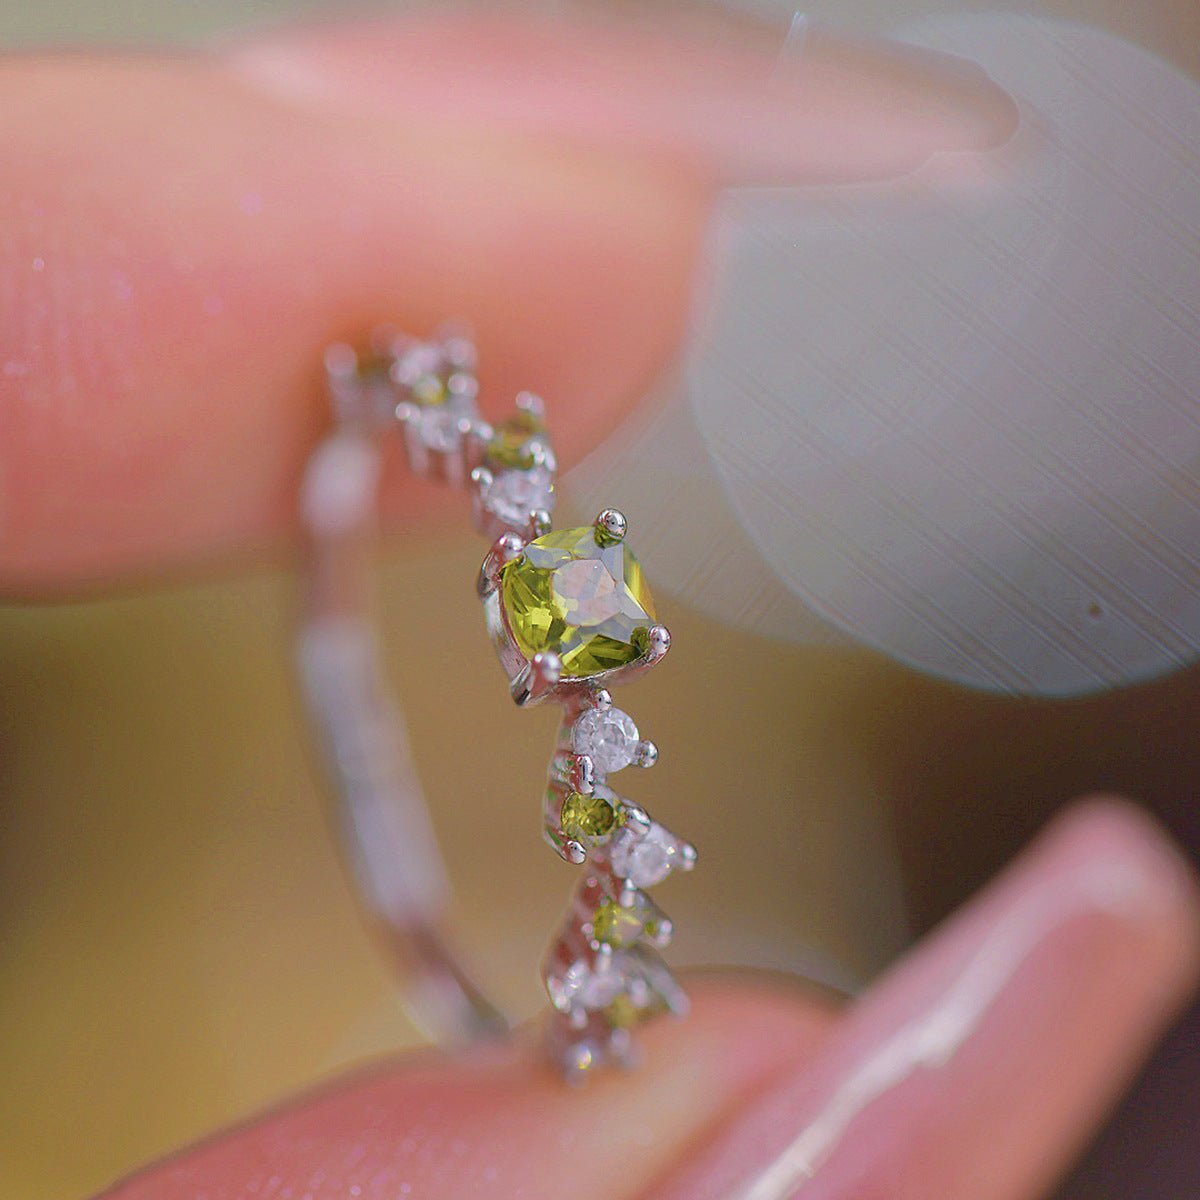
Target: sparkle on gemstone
[
  {"x": 586, "y": 602},
  {"x": 608, "y": 736},
  {"x": 645, "y": 859},
  {"x": 593, "y": 988},
  {"x": 513, "y": 495},
  {"x": 587, "y": 816}
]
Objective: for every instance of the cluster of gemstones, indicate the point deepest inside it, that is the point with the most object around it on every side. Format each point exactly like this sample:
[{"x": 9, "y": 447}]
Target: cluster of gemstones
[{"x": 570, "y": 614}]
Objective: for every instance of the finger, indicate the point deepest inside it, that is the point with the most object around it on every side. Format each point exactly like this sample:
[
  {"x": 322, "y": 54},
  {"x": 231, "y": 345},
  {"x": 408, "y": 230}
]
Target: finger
[
  {"x": 182, "y": 236},
  {"x": 980, "y": 1065},
  {"x": 502, "y": 1125},
  {"x": 731, "y": 99}
]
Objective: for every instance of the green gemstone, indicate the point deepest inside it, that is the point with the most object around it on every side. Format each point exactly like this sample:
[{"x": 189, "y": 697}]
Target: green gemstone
[
  {"x": 616, "y": 925},
  {"x": 430, "y": 390},
  {"x": 509, "y": 446},
  {"x": 585, "y": 601},
  {"x": 622, "y": 1013},
  {"x": 587, "y": 816}
]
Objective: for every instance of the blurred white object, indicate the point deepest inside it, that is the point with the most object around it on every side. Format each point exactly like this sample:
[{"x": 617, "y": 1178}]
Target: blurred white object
[{"x": 959, "y": 421}]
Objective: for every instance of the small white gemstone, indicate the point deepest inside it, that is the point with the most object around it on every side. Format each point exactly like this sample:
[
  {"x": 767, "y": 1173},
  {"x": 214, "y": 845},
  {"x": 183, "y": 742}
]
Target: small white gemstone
[
  {"x": 593, "y": 988},
  {"x": 608, "y": 736},
  {"x": 421, "y": 360},
  {"x": 644, "y": 860},
  {"x": 439, "y": 429},
  {"x": 513, "y": 495}
]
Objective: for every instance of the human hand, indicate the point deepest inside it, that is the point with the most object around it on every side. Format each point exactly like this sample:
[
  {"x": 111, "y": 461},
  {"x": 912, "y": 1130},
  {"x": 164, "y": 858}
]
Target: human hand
[
  {"x": 184, "y": 233},
  {"x": 170, "y": 293},
  {"x": 976, "y": 1068}
]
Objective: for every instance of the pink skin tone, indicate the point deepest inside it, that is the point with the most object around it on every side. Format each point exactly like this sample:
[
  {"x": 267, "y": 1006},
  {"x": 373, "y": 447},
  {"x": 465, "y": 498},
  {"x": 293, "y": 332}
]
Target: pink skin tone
[
  {"x": 167, "y": 293},
  {"x": 167, "y": 297},
  {"x": 979, "y": 1064},
  {"x": 1059, "y": 978}
]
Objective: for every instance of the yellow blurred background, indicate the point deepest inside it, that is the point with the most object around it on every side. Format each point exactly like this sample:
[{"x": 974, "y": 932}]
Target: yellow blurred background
[{"x": 178, "y": 943}]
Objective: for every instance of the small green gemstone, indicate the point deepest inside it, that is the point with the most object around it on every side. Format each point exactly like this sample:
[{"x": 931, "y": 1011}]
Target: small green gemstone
[
  {"x": 509, "y": 446},
  {"x": 430, "y": 390},
  {"x": 616, "y": 925},
  {"x": 622, "y": 1013},
  {"x": 587, "y": 816},
  {"x": 587, "y": 602}
]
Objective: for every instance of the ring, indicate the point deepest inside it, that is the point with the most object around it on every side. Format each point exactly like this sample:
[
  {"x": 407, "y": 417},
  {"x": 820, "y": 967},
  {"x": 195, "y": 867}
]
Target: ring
[{"x": 570, "y": 616}]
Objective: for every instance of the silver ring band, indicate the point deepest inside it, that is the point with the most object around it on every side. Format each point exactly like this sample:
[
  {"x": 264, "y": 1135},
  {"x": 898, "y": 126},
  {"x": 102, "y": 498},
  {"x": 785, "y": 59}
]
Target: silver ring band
[{"x": 569, "y": 616}]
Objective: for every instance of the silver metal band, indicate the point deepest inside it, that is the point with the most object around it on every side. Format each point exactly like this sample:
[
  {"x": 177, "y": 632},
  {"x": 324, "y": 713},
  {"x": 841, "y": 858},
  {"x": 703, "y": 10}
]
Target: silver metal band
[{"x": 603, "y": 972}]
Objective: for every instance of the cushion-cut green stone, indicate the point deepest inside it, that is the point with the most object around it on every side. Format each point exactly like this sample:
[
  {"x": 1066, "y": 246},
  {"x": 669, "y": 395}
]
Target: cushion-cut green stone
[{"x": 585, "y": 601}]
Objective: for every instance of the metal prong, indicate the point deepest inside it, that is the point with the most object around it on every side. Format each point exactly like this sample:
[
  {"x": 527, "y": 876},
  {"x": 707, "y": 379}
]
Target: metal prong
[
  {"x": 567, "y": 848},
  {"x": 664, "y": 928},
  {"x": 540, "y": 674},
  {"x": 687, "y": 856},
  {"x": 409, "y": 416},
  {"x": 482, "y": 431},
  {"x": 480, "y": 479},
  {"x": 575, "y": 772},
  {"x": 581, "y": 773},
  {"x": 602, "y": 698},
  {"x": 539, "y": 523},
  {"x": 636, "y": 816},
  {"x": 462, "y": 385},
  {"x": 347, "y": 392},
  {"x": 557, "y": 997},
  {"x": 658, "y": 642},
  {"x": 647, "y": 753},
  {"x": 652, "y": 642},
  {"x": 610, "y": 526},
  {"x": 505, "y": 549},
  {"x": 533, "y": 404}
]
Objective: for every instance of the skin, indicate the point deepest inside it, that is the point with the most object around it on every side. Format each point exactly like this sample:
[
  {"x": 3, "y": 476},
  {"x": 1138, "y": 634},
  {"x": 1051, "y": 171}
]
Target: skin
[{"x": 180, "y": 237}]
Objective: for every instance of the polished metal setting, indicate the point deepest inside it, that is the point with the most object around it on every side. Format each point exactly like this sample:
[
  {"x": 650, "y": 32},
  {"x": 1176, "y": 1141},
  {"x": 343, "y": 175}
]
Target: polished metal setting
[{"x": 603, "y": 971}]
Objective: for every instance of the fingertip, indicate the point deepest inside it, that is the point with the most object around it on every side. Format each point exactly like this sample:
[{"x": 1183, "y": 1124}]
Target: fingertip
[
  {"x": 982, "y": 1061},
  {"x": 1148, "y": 869},
  {"x": 498, "y": 1121}
]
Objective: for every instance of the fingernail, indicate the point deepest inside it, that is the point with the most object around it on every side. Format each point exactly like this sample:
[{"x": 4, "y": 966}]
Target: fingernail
[
  {"x": 979, "y": 1064},
  {"x": 741, "y": 101}
]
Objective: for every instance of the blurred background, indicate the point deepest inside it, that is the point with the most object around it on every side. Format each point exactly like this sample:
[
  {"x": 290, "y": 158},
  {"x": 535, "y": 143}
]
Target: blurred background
[{"x": 178, "y": 943}]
